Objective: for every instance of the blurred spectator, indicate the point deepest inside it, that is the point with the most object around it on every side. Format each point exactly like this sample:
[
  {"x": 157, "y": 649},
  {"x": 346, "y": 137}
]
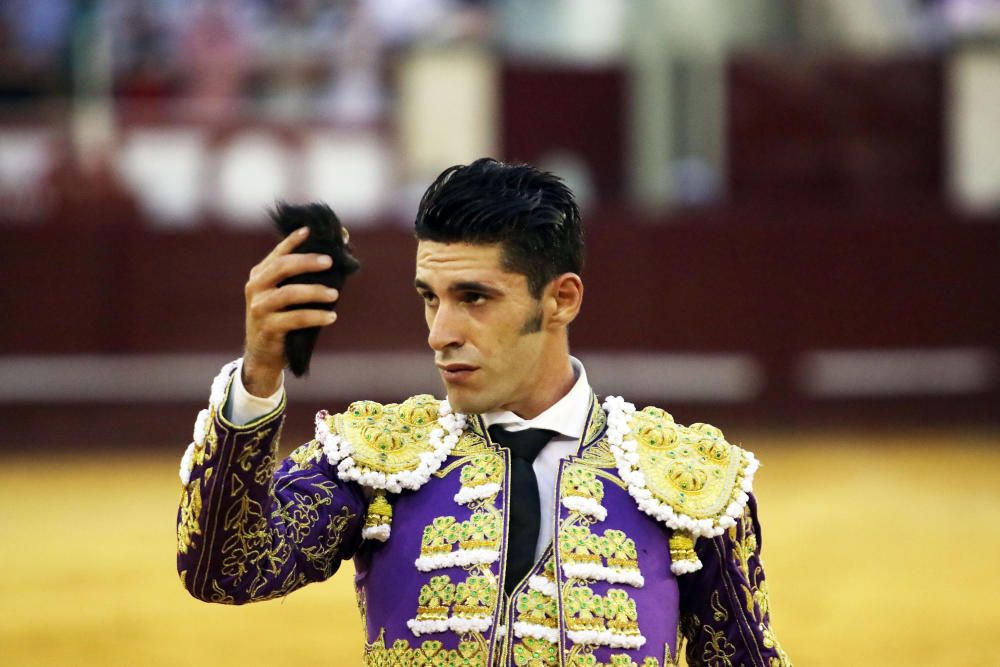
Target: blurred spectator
[
  {"x": 291, "y": 57},
  {"x": 215, "y": 56},
  {"x": 34, "y": 46},
  {"x": 144, "y": 55}
]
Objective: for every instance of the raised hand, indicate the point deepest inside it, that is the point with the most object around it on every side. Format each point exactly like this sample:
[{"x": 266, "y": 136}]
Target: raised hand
[{"x": 268, "y": 321}]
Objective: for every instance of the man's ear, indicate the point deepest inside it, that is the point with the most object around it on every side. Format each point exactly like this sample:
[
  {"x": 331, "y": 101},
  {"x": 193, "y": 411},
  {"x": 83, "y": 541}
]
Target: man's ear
[{"x": 563, "y": 299}]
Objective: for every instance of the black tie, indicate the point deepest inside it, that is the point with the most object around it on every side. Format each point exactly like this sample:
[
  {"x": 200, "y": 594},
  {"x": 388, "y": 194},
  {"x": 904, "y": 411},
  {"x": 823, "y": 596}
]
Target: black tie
[{"x": 525, "y": 510}]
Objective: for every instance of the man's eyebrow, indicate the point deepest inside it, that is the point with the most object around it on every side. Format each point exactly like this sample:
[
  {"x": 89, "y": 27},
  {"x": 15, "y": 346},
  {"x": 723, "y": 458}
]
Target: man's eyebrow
[
  {"x": 463, "y": 286},
  {"x": 473, "y": 286}
]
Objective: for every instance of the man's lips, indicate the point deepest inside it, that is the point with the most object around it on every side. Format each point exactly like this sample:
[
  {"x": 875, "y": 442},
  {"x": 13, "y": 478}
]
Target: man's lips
[{"x": 456, "y": 372}]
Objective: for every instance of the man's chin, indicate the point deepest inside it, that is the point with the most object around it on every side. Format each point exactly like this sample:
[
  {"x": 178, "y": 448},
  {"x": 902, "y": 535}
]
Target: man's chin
[{"x": 467, "y": 402}]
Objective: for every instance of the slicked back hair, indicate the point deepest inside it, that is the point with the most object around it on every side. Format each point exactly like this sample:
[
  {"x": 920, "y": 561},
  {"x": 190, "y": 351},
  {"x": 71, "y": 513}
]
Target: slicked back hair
[{"x": 530, "y": 212}]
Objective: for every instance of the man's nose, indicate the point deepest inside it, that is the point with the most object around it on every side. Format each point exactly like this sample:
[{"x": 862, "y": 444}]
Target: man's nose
[{"x": 445, "y": 329}]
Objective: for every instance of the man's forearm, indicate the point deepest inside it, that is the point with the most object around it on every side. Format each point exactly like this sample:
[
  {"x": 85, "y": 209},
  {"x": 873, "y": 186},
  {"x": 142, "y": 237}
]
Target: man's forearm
[{"x": 241, "y": 536}]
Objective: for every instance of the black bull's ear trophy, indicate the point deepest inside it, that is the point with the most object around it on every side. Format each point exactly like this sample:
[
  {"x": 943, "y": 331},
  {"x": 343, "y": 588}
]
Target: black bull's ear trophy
[{"x": 326, "y": 236}]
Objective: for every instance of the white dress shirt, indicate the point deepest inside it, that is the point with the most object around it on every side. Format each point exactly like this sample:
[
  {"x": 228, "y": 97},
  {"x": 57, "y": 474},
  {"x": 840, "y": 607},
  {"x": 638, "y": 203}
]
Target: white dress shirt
[{"x": 567, "y": 417}]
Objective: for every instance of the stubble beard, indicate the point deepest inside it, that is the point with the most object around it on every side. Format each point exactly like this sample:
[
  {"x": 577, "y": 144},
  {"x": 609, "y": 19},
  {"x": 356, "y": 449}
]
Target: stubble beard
[{"x": 533, "y": 324}]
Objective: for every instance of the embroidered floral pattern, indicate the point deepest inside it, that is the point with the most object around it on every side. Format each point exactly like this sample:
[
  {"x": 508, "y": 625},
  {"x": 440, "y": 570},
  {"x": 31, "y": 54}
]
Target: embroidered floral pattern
[
  {"x": 611, "y": 620},
  {"x": 466, "y": 607},
  {"x": 391, "y": 447},
  {"x": 745, "y": 551},
  {"x": 430, "y": 653},
  {"x": 481, "y": 479},
  {"x": 691, "y": 479},
  {"x": 537, "y": 615},
  {"x": 535, "y": 652},
  {"x": 472, "y": 544},
  {"x": 306, "y": 456},
  {"x": 610, "y": 557},
  {"x": 187, "y": 523},
  {"x": 619, "y": 660},
  {"x": 740, "y": 597},
  {"x": 478, "y": 541},
  {"x": 582, "y": 492}
]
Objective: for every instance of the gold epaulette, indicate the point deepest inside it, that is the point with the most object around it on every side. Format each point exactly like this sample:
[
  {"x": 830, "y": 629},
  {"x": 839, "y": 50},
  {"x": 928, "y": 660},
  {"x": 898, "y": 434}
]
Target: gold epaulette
[
  {"x": 388, "y": 448},
  {"x": 688, "y": 477},
  {"x": 692, "y": 469},
  {"x": 388, "y": 438}
]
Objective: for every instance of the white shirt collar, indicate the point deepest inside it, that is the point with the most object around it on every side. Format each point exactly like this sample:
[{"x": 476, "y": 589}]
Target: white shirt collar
[{"x": 567, "y": 416}]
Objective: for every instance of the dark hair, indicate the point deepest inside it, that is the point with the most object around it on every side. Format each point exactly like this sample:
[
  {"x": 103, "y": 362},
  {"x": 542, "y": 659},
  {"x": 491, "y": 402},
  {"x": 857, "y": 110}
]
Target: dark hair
[{"x": 531, "y": 212}]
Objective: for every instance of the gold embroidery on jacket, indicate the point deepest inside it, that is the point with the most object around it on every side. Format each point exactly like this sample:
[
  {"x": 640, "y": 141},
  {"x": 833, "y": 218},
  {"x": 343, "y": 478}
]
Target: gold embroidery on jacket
[
  {"x": 719, "y": 612},
  {"x": 306, "y": 456},
  {"x": 580, "y": 481},
  {"x": 537, "y": 608},
  {"x": 323, "y": 557},
  {"x": 598, "y": 455},
  {"x": 692, "y": 469},
  {"x": 251, "y": 450},
  {"x": 596, "y": 423},
  {"x": 615, "y": 612},
  {"x": 440, "y": 598},
  {"x": 388, "y": 438},
  {"x": 466, "y": 607},
  {"x": 536, "y": 623},
  {"x": 718, "y": 650},
  {"x": 472, "y": 441},
  {"x": 534, "y": 652},
  {"x": 749, "y": 601},
  {"x": 581, "y": 656},
  {"x": 187, "y": 523},
  {"x": 481, "y": 531},
  {"x": 587, "y": 557},
  {"x": 755, "y": 587},
  {"x": 470, "y": 653},
  {"x": 219, "y": 595},
  {"x": 481, "y": 470},
  {"x": 211, "y": 441},
  {"x": 256, "y": 552},
  {"x": 252, "y": 548},
  {"x": 436, "y": 597}
]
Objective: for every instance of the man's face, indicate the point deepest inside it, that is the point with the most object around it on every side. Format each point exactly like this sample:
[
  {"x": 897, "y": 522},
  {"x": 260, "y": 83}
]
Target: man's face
[{"x": 483, "y": 325}]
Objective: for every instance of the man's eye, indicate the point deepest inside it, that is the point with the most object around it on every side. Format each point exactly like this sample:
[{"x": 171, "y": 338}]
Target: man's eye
[
  {"x": 473, "y": 297},
  {"x": 428, "y": 297}
]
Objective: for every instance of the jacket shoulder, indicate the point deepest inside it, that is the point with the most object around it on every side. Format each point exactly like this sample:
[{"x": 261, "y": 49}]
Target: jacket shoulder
[
  {"x": 689, "y": 477},
  {"x": 391, "y": 446}
]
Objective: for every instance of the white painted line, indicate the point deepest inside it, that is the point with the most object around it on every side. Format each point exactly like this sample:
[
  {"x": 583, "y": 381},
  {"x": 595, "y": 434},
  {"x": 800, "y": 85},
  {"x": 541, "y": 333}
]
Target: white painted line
[
  {"x": 898, "y": 372},
  {"x": 717, "y": 378}
]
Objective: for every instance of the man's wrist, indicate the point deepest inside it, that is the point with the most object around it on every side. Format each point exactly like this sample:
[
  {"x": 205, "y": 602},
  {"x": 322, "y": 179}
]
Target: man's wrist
[
  {"x": 244, "y": 407},
  {"x": 260, "y": 382}
]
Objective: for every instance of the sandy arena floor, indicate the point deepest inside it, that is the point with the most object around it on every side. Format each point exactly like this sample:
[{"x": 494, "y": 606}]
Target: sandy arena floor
[{"x": 879, "y": 551}]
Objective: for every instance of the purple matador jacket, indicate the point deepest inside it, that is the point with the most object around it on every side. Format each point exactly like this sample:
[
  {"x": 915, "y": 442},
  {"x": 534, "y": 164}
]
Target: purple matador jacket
[{"x": 656, "y": 537}]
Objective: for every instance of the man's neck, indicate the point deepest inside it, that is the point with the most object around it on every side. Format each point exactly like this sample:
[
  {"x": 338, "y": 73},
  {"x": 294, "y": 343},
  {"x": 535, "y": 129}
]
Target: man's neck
[
  {"x": 567, "y": 416},
  {"x": 558, "y": 383}
]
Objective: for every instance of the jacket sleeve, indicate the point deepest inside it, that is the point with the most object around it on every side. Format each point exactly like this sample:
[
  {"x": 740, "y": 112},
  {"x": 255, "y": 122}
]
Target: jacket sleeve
[
  {"x": 248, "y": 532},
  {"x": 725, "y": 613}
]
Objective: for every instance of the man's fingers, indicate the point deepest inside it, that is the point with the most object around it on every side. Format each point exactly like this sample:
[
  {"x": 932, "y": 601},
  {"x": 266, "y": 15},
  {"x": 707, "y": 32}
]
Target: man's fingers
[
  {"x": 289, "y": 243},
  {"x": 278, "y": 299},
  {"x": 269, "y": 273},
  {"x": 282, "y": 323},
  {"x": 284, "y": 247}
]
